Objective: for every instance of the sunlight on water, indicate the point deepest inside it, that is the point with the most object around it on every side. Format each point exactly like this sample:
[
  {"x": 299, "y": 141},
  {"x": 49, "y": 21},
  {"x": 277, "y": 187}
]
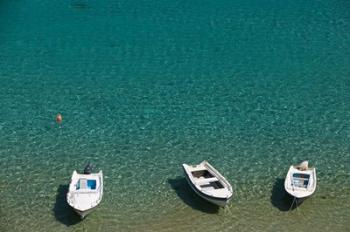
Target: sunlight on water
[{"x": 144, "y": 86}]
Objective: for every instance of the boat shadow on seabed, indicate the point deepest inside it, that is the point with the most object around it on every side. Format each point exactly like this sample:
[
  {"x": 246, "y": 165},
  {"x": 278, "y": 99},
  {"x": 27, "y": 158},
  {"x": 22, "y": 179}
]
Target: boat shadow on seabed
[
  {"x": 281, "y": 199},
  {"x": 187, "y": 195},
  {"x": 62, "y": 211}
]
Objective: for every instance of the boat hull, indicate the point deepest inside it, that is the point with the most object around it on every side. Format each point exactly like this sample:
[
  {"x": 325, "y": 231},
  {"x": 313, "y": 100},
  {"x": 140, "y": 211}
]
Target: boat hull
[
  {"x": 300, "y": 198},
  {"x": 83, "y": 214},
  {"x": 222, "y": 202}
]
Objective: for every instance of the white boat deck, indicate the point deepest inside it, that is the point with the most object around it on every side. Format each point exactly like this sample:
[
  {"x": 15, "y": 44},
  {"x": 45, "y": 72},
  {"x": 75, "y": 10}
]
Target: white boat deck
[{"x": 85, "y": 200}]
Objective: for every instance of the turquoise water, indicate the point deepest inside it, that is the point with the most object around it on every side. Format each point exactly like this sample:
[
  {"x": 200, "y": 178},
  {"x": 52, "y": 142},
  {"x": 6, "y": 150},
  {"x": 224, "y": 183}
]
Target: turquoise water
[{"x": 144, "y": 86}]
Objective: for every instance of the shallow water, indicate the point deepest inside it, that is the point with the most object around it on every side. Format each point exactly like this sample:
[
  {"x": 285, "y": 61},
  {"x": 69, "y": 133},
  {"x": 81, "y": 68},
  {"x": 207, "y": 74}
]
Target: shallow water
[{"x": 144, "y": 86}]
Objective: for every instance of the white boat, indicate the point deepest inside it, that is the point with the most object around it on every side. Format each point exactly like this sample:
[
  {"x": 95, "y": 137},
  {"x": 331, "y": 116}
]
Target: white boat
[
  {"x": 208, "y": 183},
  {"x": 301, "y": 180},
  {"x": 85, "y": 192}
]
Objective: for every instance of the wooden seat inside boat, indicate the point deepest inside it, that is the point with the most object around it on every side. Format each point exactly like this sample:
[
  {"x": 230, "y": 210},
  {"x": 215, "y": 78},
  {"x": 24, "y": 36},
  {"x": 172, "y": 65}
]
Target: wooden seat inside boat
[
  {"x": 213, "y": 185},
  {"x": 203, "y": 181}
]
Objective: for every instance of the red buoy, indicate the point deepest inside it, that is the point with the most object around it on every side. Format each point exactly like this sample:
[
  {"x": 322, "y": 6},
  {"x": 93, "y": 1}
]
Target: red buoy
[{"x": 59, "y": 118}]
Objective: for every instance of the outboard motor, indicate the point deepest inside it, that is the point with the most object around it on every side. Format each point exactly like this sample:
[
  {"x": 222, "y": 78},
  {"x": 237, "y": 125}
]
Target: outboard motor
[{"x": 88, "y": 169}]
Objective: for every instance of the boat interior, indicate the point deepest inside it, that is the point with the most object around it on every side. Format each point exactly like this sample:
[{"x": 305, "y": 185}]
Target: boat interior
[
  {"x": 88, "y": 184},
  {"x": 206, "y": 180},
  {"x": 301, "y": 180},
  {"x": 202, "y": 173}
]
